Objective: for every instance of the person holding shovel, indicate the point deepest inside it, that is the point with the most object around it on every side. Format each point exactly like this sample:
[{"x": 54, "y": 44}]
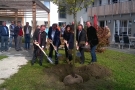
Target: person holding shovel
[
  {"x": 39, "y": 37},
  {"x": 81, "y": 41},
  {"x": 54, "y": 39},
  {"x": 69, "y": 43}
]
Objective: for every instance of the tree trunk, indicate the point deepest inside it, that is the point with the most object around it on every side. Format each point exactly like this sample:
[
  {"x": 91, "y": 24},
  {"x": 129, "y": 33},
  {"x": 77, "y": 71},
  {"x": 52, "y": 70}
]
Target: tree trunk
[{"x": 74, "y": 50}]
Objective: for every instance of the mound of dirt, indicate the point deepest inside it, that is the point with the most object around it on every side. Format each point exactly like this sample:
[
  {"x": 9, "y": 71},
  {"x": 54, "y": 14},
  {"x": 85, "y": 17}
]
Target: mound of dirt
[{"x": 86, "y": 72}]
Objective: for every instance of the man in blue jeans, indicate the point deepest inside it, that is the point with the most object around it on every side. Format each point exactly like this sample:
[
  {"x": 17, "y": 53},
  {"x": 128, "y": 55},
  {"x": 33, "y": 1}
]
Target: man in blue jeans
[
  {"x": 4, "y": 33},
  {"x": 92, "y": 40},
  {"x": 27, "y": 34}
]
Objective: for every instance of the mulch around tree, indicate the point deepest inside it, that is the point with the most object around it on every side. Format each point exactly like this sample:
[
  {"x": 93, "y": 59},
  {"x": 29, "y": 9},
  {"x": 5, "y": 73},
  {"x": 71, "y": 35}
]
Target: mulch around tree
[{"x": 92, "y": 72}]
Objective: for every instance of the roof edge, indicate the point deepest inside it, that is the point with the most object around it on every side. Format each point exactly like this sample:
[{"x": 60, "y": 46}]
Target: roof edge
[{"x": 42, "y": 5}]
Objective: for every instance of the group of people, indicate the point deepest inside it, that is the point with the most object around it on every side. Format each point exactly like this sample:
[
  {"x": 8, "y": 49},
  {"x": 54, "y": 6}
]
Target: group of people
[
  {"x": 53, "y": 34},
  {"x": 67, "y": 32},
  {"x": 14, "y": 33}
]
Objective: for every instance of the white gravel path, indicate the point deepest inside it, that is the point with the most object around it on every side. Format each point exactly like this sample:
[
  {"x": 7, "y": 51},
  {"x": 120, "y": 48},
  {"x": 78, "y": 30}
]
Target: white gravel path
[{"x": 10, "y": 66}]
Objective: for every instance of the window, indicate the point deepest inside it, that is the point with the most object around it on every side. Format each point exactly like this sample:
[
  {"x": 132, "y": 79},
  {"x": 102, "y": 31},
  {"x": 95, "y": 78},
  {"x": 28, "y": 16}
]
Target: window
[
  {"x": 129, "y": 27},
  {"x": 47, "y": 4},
  {"x": 109, "y": 1},
  {"x": 62, "y": 12},
  {"x": 100, "y": 2},
  {"x": 123, "y": 26},
  {"x": 102, "y": 24},
  {"x": 115, "y": 1},
  {"x": 61, "y": 23},
  {"x": 86, "y": 9},
  {"x": 93, "y": 4}
]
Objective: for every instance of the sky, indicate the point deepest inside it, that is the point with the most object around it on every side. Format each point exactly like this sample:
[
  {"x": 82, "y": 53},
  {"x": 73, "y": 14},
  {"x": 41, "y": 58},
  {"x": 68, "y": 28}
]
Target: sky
[{"x": 47, "y": 4}]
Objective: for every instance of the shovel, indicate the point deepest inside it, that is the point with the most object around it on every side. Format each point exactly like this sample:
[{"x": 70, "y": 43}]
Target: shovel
[
  {"x": 58, "y": 55},
  {"x": 78, "y": 54},
  {"x": 48, "y": 58}
]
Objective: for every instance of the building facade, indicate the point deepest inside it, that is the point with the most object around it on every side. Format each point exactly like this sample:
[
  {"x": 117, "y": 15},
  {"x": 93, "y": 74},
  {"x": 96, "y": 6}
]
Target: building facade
[
  {"x": 119, "y": 15},
  {"x": 61, "y": 16}
]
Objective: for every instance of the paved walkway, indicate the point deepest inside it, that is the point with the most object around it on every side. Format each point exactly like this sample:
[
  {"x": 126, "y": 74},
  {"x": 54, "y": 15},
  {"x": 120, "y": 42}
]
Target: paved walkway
[
  {"x": 125, "y": 49},
  {"x": 11, "y": 65}
]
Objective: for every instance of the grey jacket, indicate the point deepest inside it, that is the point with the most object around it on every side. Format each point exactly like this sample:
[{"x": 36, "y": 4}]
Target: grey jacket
[{"x": 11, "y": 28}]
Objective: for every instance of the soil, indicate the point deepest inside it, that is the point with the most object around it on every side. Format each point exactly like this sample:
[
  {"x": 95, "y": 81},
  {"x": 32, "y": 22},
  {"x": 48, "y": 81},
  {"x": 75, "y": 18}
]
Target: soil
[{"x": 92, "y": 75}]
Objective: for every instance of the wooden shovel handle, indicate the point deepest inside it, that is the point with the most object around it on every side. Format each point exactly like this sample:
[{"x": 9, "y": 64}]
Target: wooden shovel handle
[{"x": 40, "y": 48}]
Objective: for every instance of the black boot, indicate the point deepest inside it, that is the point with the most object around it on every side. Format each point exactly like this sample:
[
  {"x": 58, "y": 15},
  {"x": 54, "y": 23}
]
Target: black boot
[{"x": 56, "y": 62}]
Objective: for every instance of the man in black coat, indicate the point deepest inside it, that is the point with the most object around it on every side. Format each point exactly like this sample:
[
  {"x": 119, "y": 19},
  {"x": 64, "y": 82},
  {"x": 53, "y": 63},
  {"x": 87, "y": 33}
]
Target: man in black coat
[
  {"x": 40, "y": 38},
  {"x": 92, "y": 40},
  {"x": 81, "y": 41},
  {"x": 54, "y": 37}
]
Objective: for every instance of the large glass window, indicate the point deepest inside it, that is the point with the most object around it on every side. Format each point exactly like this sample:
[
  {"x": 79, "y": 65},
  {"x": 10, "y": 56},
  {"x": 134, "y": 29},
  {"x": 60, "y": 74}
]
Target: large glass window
[
  {"x": 129, "y": 27},
  {"x": 61, "y": 23},
  {"x": 102, "y": 23},
  {"x": 123, "y": 26},
  {"x": 93, "y": 4},
  {"x": 115, "y": 1},
  {"x": 100, "y": 2},
  {"x": 62, "y": 12},
  {"x": 109, "y": 1}
]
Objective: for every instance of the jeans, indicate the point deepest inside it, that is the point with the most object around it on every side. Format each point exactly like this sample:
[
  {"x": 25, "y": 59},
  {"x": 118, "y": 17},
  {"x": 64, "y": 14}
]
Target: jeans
[
  {"x": 82, "y": 54},
  {"x": 93, "y": 54},
  {"x": 27, "y": 41},
  {"x": 4, "y": 43},
  {"x": 11, "y": 40}
]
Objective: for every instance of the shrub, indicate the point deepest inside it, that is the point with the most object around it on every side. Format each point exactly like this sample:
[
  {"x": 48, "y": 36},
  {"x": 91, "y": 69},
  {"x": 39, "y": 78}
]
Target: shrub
[{"x": 103, "y": 36}]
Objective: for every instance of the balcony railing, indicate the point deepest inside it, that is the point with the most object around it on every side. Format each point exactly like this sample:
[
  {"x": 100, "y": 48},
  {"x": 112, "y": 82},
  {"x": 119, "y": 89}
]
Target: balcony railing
[{"x": 113, "y": 9}]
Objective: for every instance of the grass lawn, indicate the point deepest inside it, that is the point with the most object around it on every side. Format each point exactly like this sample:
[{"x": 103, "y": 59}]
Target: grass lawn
[
  {"x": 2, "y": 57},
  {"x": 35, "y": 78}
]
